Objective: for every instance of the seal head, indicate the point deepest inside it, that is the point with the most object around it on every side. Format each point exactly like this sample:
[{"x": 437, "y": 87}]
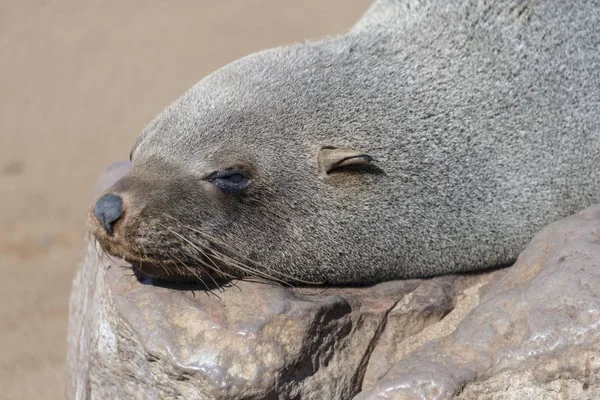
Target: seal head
[{"x": 433, "y": 143}]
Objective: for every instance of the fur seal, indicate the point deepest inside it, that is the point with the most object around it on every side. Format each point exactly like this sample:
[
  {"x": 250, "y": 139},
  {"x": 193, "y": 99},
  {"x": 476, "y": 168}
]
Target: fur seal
[{"x": 434, "y": 137}]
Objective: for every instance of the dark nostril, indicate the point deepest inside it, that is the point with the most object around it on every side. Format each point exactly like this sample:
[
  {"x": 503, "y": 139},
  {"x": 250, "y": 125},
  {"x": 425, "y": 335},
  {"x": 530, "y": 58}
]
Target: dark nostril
[{"x": 108, "y": 209}]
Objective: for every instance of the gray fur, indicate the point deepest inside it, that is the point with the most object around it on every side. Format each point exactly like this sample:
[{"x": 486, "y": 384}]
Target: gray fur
[{"x": 483, "y": 116}]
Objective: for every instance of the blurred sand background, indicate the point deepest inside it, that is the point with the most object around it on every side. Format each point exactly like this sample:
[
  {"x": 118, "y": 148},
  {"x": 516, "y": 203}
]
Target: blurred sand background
[{"x": 79, "y": 79}]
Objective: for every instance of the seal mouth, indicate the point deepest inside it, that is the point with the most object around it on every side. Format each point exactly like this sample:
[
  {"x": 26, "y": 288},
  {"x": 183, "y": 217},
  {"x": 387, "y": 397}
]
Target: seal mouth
[
  {"x": 184, "y": 255},
  {"x": 163, "y": 266},
  {"x": 204, "y": 265}
]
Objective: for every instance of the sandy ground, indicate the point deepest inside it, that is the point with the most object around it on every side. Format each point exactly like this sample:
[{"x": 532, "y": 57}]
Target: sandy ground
[{"x": 79, "y": 79}]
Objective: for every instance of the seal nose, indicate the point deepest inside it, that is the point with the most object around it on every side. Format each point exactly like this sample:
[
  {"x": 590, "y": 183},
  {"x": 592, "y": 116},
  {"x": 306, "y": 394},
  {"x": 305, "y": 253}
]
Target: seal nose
[{"x": 108, "y": 209}]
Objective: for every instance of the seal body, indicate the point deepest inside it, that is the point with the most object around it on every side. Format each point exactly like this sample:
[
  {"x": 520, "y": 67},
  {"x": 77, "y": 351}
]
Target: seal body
[{"x": 434, "y": 137}]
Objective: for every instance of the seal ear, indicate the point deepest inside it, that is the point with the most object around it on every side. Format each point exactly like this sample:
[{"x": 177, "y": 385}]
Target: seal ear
[{"x": 332, "y": 158}]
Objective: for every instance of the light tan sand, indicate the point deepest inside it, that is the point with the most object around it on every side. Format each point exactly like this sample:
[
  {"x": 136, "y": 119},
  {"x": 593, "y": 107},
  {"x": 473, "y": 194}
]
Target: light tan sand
[{"x": 79, "y": 79}]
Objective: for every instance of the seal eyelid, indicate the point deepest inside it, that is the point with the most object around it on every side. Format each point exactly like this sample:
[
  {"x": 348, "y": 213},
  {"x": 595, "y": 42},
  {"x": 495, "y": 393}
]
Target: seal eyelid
[{"x": 230, "y": 180}]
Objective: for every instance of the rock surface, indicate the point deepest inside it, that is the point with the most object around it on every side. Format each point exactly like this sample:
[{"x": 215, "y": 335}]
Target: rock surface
[{"x": 528, "y": 331}]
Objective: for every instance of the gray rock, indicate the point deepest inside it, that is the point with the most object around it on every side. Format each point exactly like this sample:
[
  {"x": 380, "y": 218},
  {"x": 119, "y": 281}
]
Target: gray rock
[
  {"x": 251, "y": 340},
  {"x": 529, "y": 331},
  {"x": 534, "y": 335}
]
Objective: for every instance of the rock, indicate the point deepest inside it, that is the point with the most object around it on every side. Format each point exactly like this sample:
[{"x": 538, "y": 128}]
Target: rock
[
  {"x": 529, "y": 331},
  {"x": 250, "y": 340},
  {"x": 535, "y": 334}
]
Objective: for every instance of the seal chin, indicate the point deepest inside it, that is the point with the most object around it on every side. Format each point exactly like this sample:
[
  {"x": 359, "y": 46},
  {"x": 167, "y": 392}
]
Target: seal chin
[
  {"x": 161, "y": 269},
  {"x": 166, "y": 271}
]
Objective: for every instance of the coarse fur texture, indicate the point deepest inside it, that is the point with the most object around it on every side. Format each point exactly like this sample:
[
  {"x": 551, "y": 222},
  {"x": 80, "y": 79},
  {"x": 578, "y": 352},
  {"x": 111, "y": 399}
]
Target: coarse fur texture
[{"x": 483, "y": 118}]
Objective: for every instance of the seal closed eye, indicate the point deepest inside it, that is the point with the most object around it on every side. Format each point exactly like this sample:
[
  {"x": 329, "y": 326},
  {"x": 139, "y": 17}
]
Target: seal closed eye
[
  {"x": 231, "y": 180},
  {"x": 430, "y": 139}
]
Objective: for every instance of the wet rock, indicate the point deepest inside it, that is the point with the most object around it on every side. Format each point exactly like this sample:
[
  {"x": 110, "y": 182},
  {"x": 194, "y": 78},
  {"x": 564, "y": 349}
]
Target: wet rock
[{"x": 529, "y": 331}]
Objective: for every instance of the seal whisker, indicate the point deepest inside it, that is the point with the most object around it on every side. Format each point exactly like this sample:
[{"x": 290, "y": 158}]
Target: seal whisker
[
  {"x": 237, "y": 264},
  {"x": 187, "y": 253},
  {"x": 199, "y": 249},
  {"x": 111, "y": 256},
  {"x": 233, "y": 263},
  {"x": 222, "y": 257},
  {"x": 202, "y": 252},
  {"x": 99, "y": 253},
  {"x": 126, "y": 275},
  {"x": 201, "y": 280},
  {"x": 201, "y": 262},
  {"x": 249, "y": 270},
  {"x": 195, "y": 274},
  {"x": 144, "y": 257},
  {"x": 140, "y": 258},
  {"x": 237, "y": 254}
]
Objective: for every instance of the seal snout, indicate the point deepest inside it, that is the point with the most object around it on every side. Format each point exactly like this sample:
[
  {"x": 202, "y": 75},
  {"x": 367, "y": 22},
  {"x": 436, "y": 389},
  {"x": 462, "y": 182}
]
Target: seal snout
[{"x": 108, "y": 210}]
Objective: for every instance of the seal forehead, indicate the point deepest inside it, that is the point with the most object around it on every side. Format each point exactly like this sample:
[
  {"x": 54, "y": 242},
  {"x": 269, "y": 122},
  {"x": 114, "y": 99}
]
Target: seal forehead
[
  {"x": 263, "y": 99},
  {"x": 228, "y": 108},
  {"x": 204, "y": 137}
]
